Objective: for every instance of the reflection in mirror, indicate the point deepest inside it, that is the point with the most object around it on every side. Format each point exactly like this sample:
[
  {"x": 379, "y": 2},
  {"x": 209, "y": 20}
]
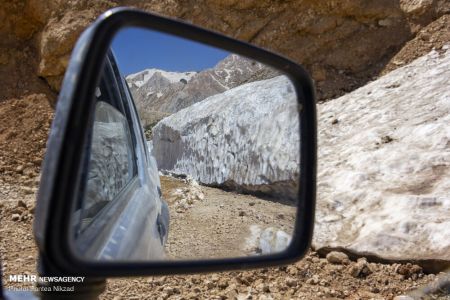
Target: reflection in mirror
[
  {"x": 111, "y": 165},
  {"x": 214, "y": 170}
]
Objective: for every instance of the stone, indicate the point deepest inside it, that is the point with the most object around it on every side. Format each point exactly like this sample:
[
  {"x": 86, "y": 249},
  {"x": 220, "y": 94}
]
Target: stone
[
  {"x": 409, "y": 270},
  {"x": 20, "y": 169},
  {"x": 28, "y": 190},
  {"x": 223, "y": 283},
  {"x": 360, "y": 268},
  {"x": 210, "y": 285},
  {"x": 291, "y": 282},
  {"x": 57, "y": 24},
  {"x": 169, "y": 290},
  {"x": 338, "y": 258},
  {"x": 313, "y": 280},
  {"x": 21, "y": 203},
  {"x": 15, "y": 217},
  {"x": 415, "y": 7}
]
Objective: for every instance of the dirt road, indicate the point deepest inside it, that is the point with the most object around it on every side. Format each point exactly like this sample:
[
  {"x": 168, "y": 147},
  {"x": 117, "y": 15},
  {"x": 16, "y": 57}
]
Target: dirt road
[{"x": 208, "y": 222}]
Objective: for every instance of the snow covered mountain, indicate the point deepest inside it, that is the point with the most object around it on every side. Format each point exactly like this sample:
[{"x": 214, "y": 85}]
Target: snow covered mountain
[
  {"x": 141, "y": 78},
  {"x": 167, "y": 92}
]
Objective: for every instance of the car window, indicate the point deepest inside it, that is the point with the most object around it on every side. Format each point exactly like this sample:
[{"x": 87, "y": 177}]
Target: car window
[{"x": 111, "y": 159}]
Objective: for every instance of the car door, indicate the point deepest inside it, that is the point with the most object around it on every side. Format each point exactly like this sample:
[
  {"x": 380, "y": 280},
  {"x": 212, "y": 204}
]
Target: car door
[
  {"x": 117, "y": 190},
  {"x": 151, "y": 173}
]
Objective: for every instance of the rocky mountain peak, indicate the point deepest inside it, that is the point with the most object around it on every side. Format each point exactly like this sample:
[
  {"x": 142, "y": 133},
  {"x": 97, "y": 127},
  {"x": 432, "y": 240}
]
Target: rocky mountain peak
[
  {"x": 168, "y": 92},
  {"x": 143, "y": 77}
]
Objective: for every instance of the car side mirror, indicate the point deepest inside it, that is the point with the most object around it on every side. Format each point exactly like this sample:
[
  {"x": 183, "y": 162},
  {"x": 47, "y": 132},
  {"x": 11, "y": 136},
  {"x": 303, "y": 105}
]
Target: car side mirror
[{"x": 173, "y": 150}]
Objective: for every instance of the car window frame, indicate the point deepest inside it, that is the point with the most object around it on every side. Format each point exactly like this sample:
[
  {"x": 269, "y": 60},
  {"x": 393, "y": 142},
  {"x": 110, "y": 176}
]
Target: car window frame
[
  {"x": 138, "y": 118},
  {"x": 88, "y": 237}
]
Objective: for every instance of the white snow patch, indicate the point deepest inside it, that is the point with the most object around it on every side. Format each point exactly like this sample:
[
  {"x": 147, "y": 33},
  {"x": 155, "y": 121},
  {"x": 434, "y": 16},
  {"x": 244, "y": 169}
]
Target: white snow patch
[
  {"x": 384, "y": 167},
  {"x": 147, "y": 74},
  {"x": 246, "y": 136}
]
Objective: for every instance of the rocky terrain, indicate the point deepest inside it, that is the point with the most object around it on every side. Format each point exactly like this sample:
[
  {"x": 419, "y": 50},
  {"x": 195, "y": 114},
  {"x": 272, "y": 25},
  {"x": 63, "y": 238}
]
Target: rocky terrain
[
  {"x": 343, "y": 44},
  {"x": 239, "y": 225}
]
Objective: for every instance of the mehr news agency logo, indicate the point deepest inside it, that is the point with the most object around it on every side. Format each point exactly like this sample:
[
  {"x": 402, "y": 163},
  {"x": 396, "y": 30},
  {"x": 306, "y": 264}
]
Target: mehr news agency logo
[{"x": 46, "y": 283}]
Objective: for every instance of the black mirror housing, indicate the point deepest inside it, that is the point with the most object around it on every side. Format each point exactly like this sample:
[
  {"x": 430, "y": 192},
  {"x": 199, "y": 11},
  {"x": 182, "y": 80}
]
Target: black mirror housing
[{"x": 62, "y": 170}]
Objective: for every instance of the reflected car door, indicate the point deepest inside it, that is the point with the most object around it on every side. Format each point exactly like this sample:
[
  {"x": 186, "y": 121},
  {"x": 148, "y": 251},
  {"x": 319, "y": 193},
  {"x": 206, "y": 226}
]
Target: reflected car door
[{"x": 118, "y": 219}]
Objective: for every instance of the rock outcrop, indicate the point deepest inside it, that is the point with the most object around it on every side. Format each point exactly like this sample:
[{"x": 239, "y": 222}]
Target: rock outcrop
[
  {"x": 245, "y": 138},
  {"x": 340, "y": 43},
  {"x": 384, "y": 164}
]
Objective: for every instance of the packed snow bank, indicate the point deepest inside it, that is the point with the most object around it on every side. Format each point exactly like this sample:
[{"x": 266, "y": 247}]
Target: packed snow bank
[
  {"x": 246, "y": 138},
  {"x": 384, "y": 165}
]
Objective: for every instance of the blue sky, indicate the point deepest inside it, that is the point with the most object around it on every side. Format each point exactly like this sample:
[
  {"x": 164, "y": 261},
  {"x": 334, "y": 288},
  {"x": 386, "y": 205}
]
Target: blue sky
[{"x": 138, "y": 49}]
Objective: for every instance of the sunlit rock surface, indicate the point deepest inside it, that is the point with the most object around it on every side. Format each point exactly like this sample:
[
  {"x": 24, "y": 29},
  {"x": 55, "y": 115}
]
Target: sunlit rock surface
[
  {"x": 246, "y": 138},
  {"x": 384, "y": 164}
]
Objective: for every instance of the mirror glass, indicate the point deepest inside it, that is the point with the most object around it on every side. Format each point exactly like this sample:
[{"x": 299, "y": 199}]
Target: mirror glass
[{"x": 193, "y": 153}]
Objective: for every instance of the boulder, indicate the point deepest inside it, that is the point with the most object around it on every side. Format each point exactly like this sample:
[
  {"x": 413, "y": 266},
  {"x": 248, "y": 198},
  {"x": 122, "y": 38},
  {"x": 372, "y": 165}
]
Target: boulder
[{"x": 338, "y": 258}]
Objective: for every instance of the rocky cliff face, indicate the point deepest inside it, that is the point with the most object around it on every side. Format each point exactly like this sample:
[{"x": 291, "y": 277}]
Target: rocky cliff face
[
  {"x": 245, "y": 138},
  {"x": 342, "y": 44},
  {"x": 169, "y": 92}
]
